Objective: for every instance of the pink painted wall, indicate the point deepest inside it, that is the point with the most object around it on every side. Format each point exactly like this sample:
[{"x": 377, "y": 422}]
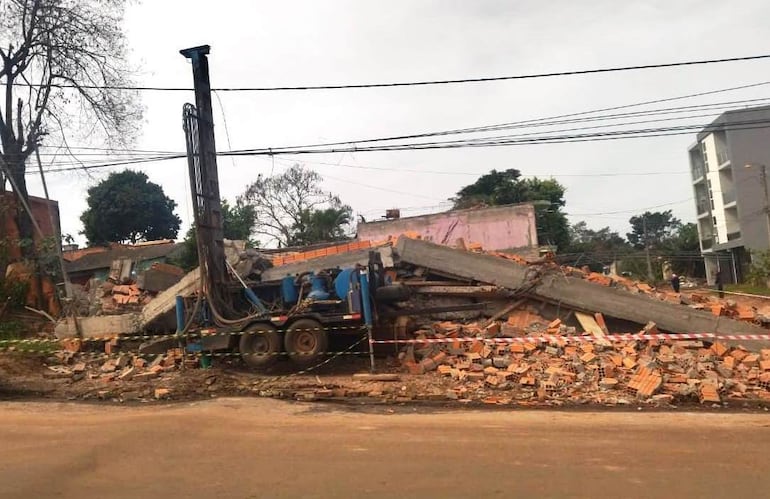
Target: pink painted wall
[{"x": 497, "y": 228}]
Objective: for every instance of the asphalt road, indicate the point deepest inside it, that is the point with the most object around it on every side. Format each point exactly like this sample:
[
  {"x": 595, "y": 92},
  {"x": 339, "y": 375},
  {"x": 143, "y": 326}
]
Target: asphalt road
[{"x": 246, "y": 448}]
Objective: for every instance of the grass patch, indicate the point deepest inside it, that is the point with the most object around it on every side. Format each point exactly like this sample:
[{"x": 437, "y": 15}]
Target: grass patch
[
  {"x": 11, "y": 336},
  {"x": 748, "y": 288},
  {"x": 11, "y": 330}
]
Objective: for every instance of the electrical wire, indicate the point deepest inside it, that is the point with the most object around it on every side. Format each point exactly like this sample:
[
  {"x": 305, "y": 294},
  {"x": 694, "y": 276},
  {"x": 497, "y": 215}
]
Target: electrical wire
[
  {"x": 551, "y": 74},
  {"x": 552, "y": 139},
  {"x": 498, "y": 126}
]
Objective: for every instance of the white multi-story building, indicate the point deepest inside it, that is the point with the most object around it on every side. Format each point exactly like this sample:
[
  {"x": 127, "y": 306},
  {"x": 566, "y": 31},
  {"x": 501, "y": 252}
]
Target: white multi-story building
[{"x": 727, "y": 164}]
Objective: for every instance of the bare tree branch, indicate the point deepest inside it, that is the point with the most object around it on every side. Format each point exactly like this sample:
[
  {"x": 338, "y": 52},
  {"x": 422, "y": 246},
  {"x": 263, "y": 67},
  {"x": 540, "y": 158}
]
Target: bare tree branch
[
  {"x": 285, "y": 205},
  {"x": 78, "y": 42}
]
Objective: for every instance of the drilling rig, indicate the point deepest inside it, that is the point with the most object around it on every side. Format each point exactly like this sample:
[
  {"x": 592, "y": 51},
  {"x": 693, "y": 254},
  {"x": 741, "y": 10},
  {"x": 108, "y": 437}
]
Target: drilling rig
[{"x": 262, "y": 321}]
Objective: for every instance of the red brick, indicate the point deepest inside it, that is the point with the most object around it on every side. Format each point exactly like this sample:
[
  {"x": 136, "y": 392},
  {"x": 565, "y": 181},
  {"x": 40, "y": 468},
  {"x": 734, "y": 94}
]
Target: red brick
[
  {"x": 414, "y": 368},
  {"x": 709, "y": 393},
  {"x": 440, "y": 358},
  {"x": 719, "y": 349}
]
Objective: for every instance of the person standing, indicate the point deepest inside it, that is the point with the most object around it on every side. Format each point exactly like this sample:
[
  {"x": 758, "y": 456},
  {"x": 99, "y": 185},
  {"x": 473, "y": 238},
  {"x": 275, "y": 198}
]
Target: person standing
[
  {"x": 720, "y": 286},
  {"x": 675, "y": 282}
]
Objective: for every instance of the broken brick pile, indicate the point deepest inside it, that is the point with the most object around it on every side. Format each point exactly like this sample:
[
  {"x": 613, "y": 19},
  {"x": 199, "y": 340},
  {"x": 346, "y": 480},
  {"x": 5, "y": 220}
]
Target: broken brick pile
[
  {"x": 122, "y": 298},
  {"x": 115, "y": 367},
  {"x": 599, "y": 371}
]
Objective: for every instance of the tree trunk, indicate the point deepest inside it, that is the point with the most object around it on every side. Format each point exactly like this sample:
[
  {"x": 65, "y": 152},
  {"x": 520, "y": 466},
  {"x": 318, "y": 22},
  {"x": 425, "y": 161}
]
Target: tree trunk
[{"x": 23, "y": 220}]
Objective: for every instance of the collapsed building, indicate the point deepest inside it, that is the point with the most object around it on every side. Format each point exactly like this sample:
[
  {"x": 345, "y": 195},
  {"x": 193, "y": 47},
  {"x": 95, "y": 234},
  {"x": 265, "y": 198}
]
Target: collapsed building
[{"x": 503, "y": 328}]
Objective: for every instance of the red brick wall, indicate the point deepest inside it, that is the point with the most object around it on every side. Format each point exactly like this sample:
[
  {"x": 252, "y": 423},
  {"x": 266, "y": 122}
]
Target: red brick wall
[{"x": 40, "y": 211}]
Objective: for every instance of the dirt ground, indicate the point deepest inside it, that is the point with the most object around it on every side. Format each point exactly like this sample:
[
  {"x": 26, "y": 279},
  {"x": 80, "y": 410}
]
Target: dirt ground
[{"x": 241, "y": 448}]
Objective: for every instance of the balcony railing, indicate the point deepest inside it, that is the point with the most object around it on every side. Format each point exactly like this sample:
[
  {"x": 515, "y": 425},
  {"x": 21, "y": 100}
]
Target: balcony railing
[
  {"x": 722, "y": 157},
  {"x": 707, "y": 243},
  {"x": 728, "y": 197},
  {"x": 698, "y": 172},
  {"x": 702, "y": 206}
]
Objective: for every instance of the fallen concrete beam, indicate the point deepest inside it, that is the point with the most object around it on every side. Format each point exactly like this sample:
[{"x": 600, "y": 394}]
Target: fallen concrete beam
[
  {"x": 458, "y": 290},
  {"x": 569, "y": 291},
  {"x": 165, "y": 302},
  {"x": 100, "y": 326},
  {"x": 339, "y": 260}
]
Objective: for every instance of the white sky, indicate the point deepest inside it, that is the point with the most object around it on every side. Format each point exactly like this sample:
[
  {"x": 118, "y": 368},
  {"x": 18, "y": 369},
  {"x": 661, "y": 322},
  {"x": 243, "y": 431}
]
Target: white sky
[{"x": 268, "y": 43}]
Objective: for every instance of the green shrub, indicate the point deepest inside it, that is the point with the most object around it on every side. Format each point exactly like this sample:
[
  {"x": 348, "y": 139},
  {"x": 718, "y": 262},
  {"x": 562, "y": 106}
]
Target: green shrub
[
  {"x": 759, "y": 272},
  {"x": 14, "y": 292},
  {"x": 11, "y": 330}
]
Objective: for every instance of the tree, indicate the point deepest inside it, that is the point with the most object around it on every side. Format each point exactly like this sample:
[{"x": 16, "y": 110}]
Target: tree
[
  {"x": 322, "y": 225},
  {"x": 63, "y": 63},
  {"x": 507, "y": 187},
  {"x": 595, "y": 248},
  {"x": 238, "y": 221},
  {"x": 669, "y": 240},
  {"x": 291, "y": 208},
  {"x": 653, "y": 229},
  {"x": 604, "y": 240},
  {"x": 127, "y": 207}
]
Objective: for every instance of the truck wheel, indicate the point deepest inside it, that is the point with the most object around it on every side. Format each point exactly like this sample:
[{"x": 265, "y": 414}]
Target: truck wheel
[
  {"x": 306, "y": 341},
  {"x": 260, "y": 345}
]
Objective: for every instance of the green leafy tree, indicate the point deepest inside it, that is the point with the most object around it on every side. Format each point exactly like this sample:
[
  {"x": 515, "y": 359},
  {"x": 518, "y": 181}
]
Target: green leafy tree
[
  {"x": 669, "y": 240},
  {"x": 322, "y": 225},
  {"x": 507, "y": 187},
  {"x": 594, "y": 248},
  {"x": 653, "y": 229},
  {"x": 127, "y": 207},
  {"x": 62, "y": 66},
  {"x": 238, "y": 222},
  {"x": 292, "y": 208}
]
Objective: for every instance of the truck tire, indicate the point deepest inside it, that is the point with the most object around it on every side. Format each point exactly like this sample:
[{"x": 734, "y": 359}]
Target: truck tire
[
  {"x": 306, "y": 342},
  {"x": 260, "y": 345}
]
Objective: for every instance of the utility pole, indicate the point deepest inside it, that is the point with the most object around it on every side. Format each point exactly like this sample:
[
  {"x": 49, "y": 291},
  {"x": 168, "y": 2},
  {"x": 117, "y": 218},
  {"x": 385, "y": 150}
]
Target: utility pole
[
  {"x": 205, "y": 187},
  {"x": 763, "y": 176},
  {"x": 647, "y": 247}
]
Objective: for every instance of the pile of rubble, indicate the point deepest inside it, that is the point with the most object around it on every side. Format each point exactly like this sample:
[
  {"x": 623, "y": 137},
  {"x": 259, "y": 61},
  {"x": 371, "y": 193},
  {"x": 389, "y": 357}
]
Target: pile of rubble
[
  {"x": 596, "y": 370},
  {"x": 122, "y": 295},
  {"x": 114, "y": 368}
]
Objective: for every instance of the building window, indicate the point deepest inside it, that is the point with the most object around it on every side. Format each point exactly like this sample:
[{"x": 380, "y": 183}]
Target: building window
[{"x": 714, "y": 220}]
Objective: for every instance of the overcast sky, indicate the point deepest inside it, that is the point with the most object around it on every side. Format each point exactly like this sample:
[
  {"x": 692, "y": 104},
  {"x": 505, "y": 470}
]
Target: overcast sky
[{"x": 270, "y": 43}]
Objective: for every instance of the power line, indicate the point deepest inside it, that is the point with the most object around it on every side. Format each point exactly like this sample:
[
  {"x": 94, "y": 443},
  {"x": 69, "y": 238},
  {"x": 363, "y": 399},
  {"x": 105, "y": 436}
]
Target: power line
[
  {"x": 514, "y": 124},
  {"x": 531, "y": 122},
  {"x": 633, "y": 210},
  {"x": 510, "y": 141},
  {"x": 427, "y": 82},
  {"x": 711, "y": 107},
  {"x": 553, "y": 139},
  {"x": 474, "y": 174}
]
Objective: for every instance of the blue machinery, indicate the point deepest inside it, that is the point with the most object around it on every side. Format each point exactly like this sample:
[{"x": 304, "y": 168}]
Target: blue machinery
[
  {"x": 363, "y": 278},
  {"x": 350, "y": 285}
]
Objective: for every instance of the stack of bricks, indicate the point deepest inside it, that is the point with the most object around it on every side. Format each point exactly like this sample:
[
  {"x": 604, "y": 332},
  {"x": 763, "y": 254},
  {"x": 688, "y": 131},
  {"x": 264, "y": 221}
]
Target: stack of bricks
[
  {"x": 661, "y": 371},
  {"x": 119, "y": 299}
]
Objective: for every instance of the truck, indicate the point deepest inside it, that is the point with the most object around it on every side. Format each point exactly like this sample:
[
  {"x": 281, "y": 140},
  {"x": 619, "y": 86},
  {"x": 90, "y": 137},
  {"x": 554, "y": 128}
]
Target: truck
[
  {"x": 295, "y": 316},
  {"x": 263, "y": 321}
]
